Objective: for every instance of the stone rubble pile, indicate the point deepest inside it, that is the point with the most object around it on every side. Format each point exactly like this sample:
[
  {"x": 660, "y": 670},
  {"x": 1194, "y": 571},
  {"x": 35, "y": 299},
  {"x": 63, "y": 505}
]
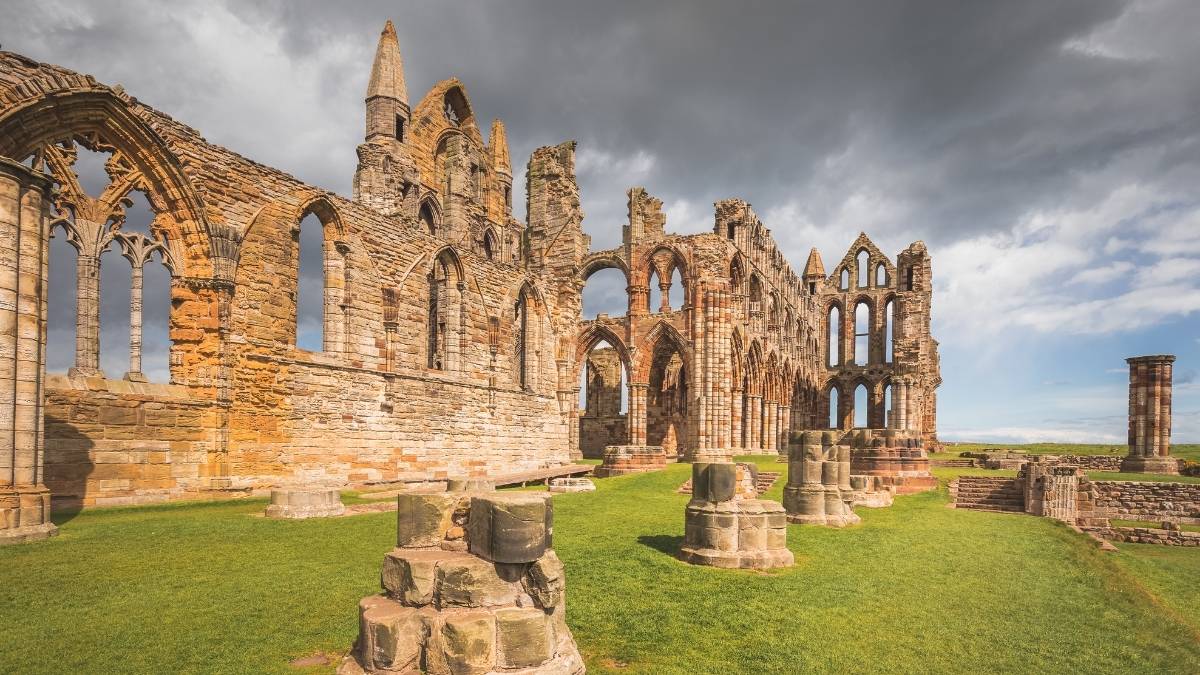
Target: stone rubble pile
[{"x": 473, "y": 586}]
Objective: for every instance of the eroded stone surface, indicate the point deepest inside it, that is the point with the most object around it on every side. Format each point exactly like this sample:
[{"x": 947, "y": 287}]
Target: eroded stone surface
[
  {"x": 723, "y": 529},
  {"x": 448, "y": 610}
]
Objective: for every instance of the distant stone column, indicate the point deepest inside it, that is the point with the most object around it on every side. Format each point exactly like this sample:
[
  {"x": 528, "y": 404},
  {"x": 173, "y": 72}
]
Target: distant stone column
[
  {"x": 24, "y": 243},
  {"x": 1150, "y": 415}
]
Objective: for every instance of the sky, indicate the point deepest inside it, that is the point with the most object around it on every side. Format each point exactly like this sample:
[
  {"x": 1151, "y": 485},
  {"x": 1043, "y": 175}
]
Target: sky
[{"x": 1047, "y": 153}]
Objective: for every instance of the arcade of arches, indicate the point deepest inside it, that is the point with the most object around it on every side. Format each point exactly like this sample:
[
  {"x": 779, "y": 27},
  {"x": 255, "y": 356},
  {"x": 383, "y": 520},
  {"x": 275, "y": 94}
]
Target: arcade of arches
[{"x": 452, "y": 339}]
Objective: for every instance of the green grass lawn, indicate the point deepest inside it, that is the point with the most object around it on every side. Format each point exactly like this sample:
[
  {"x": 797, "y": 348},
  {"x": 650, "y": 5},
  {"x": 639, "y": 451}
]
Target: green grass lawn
[
  {"x": 915, "y": 588},
  {"x": 1183, "y": 451}
]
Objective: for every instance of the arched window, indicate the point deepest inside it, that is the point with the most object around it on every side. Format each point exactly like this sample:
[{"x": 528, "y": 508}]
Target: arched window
[
  {"x": 860, "y": 407},
  {"x": 521, "y": 339},
  {"x": 428, "y": 219},
  {"x": 605, "y": 292},
  {"x": 444, "y": 313},
  {"x": 888, "y": 409},
  {"x": 881, "y": 279},
  {"x": 845, "y": 281},
  {"x": 119, "y": 308},
  {"x": 908, "y": 279},
  {"x": 654, "y": 299},
  {"x": 864, "y": 274},
  {"x": 732, "y": 231},
  {"x": 862, "y": 334},
  {"x": 489, "y": 245},
  {"x": 889, "y": 314},
  {"x": 310, "y": 285},
  {"x": 835, "y": 337},
  {"x": 834, "y": 422}
]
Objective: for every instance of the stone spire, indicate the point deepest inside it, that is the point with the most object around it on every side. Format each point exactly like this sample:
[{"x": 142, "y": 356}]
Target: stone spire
[
  {"x": 814, "y": 267},
  {"x": 386, "y": 170},
  {"x": 499, "y": 143},
  {"x": 387, "y": 73}
]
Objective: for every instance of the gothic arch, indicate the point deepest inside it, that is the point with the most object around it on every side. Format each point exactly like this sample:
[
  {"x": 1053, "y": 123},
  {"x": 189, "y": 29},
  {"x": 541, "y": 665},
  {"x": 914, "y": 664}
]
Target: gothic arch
[
  {"x": 57, "y": 115},
  {"x": 602, "y": 261},
  {"x": 644, "y": 353},
  {"x": 592, "y": 334}
]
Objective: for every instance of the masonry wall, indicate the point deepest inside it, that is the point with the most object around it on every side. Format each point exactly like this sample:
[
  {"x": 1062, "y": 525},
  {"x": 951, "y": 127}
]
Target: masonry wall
[
  {"x": 112, "y": 442},
  {"x": 1179, "y": 502}
]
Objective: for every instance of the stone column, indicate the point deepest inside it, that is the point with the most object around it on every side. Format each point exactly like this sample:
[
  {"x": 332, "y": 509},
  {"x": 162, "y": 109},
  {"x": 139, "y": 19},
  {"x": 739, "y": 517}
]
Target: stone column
[
  {"x": 785, "y": 429},
  {"x": 87, "y": 315},
  {"x": 135, "y": 325},
  {"x": 1150, "y": 415},
  {"x": 637, "y": 413},
  {"x": 754, "y": 423},
  {"x": 24, "y": 244}
]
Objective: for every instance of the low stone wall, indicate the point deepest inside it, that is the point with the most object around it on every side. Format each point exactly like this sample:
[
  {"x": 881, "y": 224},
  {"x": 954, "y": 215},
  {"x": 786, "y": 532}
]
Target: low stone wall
[
  {"x": 1014, "y": 460},
  {"x": 1147, "y": 535},
  {"x": 1133, "y": 500}
]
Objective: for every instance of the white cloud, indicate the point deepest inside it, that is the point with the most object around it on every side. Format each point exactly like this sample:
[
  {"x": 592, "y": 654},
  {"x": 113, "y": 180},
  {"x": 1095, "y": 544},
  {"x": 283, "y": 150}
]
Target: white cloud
[{"x": 1023, "y": 434}]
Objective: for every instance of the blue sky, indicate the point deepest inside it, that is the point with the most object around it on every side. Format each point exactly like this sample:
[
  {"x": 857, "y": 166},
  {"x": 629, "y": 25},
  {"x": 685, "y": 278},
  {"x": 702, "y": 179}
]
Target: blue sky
[{"x": 1047, "y": 153}]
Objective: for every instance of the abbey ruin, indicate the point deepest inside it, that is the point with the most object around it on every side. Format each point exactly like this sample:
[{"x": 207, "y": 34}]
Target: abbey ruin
[{"x": 453, "y": 342}]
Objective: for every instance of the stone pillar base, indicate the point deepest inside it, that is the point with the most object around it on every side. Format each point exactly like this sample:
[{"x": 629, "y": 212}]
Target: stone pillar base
[
  {"x": 25, "y": 515},
  {"x": 21, "y": 535},
  {"x": 622, "y": 460},
  {"x": 298, "y": 504},
  {"x": 473, "y": 586},
  {"x": 1164, "y": 465},
  {"x": 571, "y": 485}
]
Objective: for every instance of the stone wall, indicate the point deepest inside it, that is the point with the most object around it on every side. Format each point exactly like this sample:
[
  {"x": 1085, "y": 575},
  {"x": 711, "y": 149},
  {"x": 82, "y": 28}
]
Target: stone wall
[
  {"x": 1178, "y": 502},
  {"x": 112, "y": 442},
  {"x": 1147, "y": 535}
]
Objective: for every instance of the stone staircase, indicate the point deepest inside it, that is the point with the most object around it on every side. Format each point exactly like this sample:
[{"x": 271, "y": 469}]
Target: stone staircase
[
  {"x": 965, "y": 463},
  {"x": 987, "y": 493},
  {"x": 766, "y": 480}
]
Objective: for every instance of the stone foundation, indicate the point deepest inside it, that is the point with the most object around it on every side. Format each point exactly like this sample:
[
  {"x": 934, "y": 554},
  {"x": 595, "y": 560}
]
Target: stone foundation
[
  {"x": 898, "y": 457},
  {"x": 818, "y": 490},
  {"x": 1163, "y": 465},
  {"x": 621, "y": 460},
  {"x": 474, "y": 586},
  {"x": 571, "y": 485},
  {"x": 870, "y": 491},
  {"x": 1147, "y": 535},
  {"x": 299, "y": 504},
  {"x": 722, "y": 530}
]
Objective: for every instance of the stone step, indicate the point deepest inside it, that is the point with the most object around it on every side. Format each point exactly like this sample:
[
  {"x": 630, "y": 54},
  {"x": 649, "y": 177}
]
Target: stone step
[{"x": 991, "y": 507}]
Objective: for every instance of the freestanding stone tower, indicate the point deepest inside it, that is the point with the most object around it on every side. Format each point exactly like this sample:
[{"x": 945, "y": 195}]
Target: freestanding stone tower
[
  {"x": 24, "y": 253},
  {"x": 1150, "y": 415}
]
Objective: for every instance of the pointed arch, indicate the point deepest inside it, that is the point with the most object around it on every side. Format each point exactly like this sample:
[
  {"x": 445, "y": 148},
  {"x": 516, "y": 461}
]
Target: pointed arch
[
  {"x": 644, "y": 353},
  {"x": 54, "y": 114}
]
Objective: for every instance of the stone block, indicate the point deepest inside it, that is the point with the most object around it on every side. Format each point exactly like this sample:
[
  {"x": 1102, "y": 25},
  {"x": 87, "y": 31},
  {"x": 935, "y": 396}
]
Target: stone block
[
  {"x": 422, "y": 520},
  {"x": 469, "y": 642},
  {"x": 546, "y": 581},
  {"x": 390, "y": 635},
  {"x": 571, "y": 485},
  {"x": 510, "y": 527},
  {"x": 464, "y": 580},
  {"x": 410, "y": 576},
  {"x": 523, "y": 635}
]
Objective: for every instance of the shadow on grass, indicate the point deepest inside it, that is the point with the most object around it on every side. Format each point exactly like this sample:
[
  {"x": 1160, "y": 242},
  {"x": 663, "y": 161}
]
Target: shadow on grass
[{"x": 663, "y": 543}]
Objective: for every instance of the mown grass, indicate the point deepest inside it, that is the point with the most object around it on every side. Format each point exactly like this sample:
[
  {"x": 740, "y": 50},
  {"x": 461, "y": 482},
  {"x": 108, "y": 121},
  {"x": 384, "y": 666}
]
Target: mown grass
[
  {"x": 915, "y": 588},
  {"x": 1183, "y": 451}
]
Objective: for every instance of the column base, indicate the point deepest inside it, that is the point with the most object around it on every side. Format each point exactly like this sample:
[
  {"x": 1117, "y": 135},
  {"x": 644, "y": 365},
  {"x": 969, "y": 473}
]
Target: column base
[
  {"x": 132, "y": 376},
  {"x": 78, "y": 372},
  {"x": 1164, "y": 465},
  {"x": 25, "y": 515},
  {"x": 21, "y": 535}
]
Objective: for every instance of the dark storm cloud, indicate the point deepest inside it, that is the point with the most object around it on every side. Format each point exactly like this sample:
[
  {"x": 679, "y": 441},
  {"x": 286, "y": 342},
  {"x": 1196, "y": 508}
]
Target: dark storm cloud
[{"x": 969, "y": 113}]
